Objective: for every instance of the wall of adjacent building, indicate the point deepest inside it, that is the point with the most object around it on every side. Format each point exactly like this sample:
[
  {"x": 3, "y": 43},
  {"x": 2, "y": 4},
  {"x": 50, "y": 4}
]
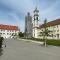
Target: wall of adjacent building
[
  {"x": 8, "y": 33},
  {"x": 54, "y": 34}
]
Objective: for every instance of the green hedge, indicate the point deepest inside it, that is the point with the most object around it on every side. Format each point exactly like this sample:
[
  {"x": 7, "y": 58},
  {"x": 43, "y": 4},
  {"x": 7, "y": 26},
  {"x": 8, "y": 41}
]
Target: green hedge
[
  {"x": 55, "y": 42},
  {"x": 1, "y": 41}
]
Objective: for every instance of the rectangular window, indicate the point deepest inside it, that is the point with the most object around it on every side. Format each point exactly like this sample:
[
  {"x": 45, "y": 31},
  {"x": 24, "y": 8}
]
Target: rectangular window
[
  {"x": 3, "y": 33},
  {"x": 7, "y": 33},
  {"x": 12, "y": 31},
  {"x": 1, "y": 30},
  {"x": 58, "y": 36},
  {"x": 15, "y": 30},
  {"x": 7, "y": 30},
  {"x": 57, "y": 30},
  {"x": 54, "y": 26}
]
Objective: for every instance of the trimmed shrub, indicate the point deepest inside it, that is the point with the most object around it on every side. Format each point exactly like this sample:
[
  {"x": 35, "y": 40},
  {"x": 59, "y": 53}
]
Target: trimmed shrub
[
  {"x": 1, "y": 41},
  {"x": 20, "y": 34},
  {"x": 55, "y": 42}
]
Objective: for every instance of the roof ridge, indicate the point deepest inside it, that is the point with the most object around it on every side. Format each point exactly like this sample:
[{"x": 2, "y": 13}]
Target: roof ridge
[{"x": 51, "y": 23}]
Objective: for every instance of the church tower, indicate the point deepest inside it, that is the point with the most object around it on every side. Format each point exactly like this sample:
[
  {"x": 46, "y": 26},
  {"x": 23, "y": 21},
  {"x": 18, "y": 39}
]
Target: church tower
[
  {"x": 28, "y": 26},
  {"x": 35, "y": 22}
]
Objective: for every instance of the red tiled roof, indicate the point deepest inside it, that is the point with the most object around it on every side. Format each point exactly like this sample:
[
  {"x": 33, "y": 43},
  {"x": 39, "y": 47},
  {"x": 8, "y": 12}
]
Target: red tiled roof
[
  {"x": 52, "y": 23},
  {"x": 8, "y": 27}
]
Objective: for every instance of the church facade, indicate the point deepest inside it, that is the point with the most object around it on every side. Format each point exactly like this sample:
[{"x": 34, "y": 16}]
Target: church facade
[
  {"x": 31, "y": 24},
  {"x": 33, "y": 29},
  {"x": 35, "y": 22}
]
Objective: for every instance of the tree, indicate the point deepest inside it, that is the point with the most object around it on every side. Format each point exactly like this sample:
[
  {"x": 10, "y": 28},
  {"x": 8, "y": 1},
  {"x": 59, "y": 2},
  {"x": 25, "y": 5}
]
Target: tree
[
  {"x": 1, "y": 41},
  {"x": 21, "y": 34},
  {"x": 45, "y": 33}
]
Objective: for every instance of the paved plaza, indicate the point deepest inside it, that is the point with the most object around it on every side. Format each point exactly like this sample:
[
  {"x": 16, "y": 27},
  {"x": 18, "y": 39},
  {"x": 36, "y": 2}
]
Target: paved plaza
[{"x": 24, "y": 50}]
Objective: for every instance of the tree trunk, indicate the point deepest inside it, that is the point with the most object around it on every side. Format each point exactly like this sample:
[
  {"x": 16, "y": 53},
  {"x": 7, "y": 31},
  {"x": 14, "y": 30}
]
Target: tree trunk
[
  {"x": 45, "y": 41},
  {"x": 44, "y": 38}
]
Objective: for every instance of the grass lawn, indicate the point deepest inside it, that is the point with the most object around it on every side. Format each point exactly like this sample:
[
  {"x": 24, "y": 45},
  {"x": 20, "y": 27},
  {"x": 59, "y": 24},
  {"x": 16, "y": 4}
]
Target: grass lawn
[
  {"x": 49, "y": 41},
  {"x": 53, "y": 42}
]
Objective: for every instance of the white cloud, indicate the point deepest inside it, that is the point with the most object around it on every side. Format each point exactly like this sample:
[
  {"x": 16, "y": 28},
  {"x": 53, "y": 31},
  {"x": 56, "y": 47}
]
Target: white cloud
[{"x": 24, "y": 6}]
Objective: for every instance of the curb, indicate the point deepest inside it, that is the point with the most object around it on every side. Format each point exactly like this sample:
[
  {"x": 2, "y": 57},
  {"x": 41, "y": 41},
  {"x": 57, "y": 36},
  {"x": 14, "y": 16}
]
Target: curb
[{"x": 32, "y": 41}]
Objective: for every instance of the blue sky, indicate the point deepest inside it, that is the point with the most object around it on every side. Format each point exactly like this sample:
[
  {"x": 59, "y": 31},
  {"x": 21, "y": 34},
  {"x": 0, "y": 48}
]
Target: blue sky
[{"x": 13, "y": 12}]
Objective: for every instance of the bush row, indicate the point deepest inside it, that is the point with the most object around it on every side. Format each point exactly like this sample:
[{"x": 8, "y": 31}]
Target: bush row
[
  {"x": 55, "y": 42},
  {"x": 1, "y": 41}
]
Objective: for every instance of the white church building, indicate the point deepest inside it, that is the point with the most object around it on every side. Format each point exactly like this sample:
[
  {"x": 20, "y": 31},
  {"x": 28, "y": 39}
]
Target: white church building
[
  {"x": 35, "y": 29},
  {"x": 31, "y": 24},
  {"x": 35, "y": 21},
  {"x": 53, "y": 26}
]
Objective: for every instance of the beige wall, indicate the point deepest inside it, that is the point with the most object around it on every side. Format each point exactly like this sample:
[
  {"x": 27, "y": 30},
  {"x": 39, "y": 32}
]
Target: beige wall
[{"x": 55, "y": 30}]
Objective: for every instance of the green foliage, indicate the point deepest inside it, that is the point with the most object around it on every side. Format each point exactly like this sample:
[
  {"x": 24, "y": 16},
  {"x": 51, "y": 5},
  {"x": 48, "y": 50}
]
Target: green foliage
[
  {"x": 1, "y": 41},
  {"x": 54, "y": 42},
  {"x": 21, "y": 34},
  {"x": 45, "y": 33}
]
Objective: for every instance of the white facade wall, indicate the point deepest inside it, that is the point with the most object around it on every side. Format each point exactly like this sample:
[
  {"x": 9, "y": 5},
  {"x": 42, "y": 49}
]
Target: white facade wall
[
  {"x": 35, "y": 33},
  {"x": 55, "y": 32},
  {"x": 35, "y": 23},
  {"x": 7, "y": 33}
]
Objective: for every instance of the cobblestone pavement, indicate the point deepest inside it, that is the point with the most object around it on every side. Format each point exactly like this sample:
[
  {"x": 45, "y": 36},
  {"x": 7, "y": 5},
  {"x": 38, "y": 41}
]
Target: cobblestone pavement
[{"x": 24, "y": 50}]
